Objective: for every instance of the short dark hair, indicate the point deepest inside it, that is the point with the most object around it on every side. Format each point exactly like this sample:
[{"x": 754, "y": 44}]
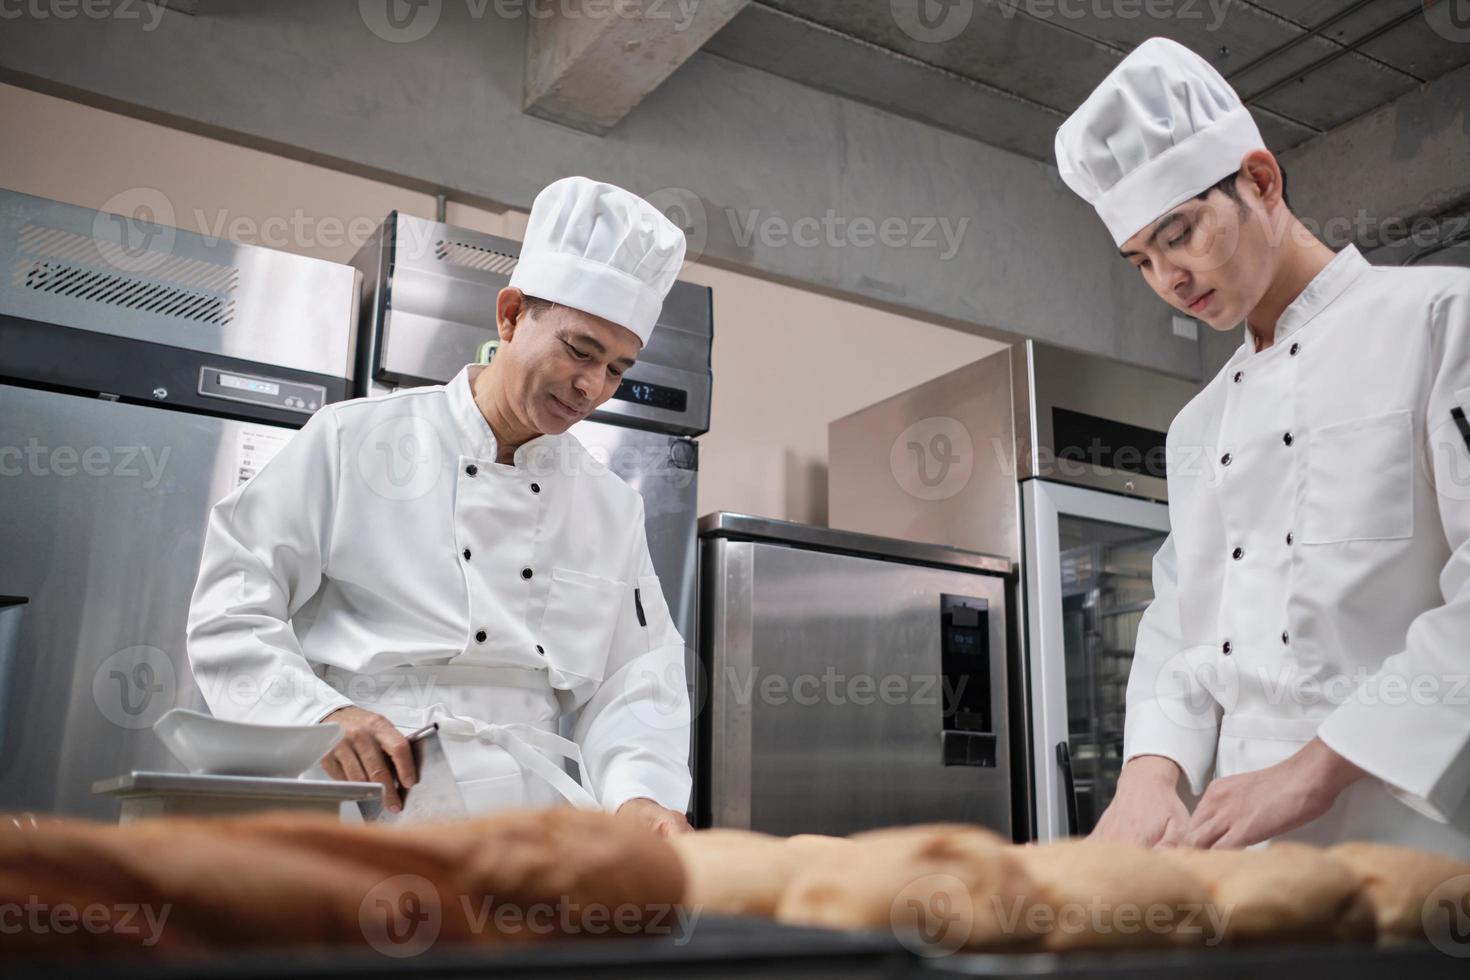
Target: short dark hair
[
  {"x": 535, "y": 304},
  {"x": 1227, "y": 187}
]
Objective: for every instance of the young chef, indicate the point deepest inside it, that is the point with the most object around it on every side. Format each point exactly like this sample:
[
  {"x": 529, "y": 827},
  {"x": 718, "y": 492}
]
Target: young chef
[
  {"x": 453, "y": 554},
  {"x": 1309, "y": 640}
]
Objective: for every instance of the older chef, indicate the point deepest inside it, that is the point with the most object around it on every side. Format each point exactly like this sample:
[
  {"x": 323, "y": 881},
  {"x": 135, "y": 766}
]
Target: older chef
[
  {"x": 453, "y": 554},
  {"x": 1309, "y": 641}
]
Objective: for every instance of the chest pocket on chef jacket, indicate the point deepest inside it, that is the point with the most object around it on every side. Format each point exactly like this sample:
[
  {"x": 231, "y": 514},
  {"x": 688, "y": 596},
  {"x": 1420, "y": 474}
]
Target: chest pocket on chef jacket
[
  {"x": 581, "y": 615},
  {"x": 1360, "y": 480}
]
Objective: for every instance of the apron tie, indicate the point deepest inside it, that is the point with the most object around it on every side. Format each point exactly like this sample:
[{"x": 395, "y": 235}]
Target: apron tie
[{"x": 533, "y": 748}]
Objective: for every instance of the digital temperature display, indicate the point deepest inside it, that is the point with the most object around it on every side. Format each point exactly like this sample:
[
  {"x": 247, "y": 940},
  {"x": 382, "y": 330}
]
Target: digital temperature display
[
  {"x": 249, "y": 384},
  {"x": 658, "y": 396}
]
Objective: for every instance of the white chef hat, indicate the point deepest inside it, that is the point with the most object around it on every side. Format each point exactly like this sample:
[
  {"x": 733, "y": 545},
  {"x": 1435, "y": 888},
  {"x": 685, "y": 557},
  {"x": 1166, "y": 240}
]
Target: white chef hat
[
  {"x": 600, "y": 249},
  {"x": 1161, "y": 128}
]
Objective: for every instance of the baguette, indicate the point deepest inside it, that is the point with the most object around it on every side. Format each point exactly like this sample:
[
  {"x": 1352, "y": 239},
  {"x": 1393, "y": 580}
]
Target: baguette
[
  {"x": 742, "y": 873},
  {"x": 293, "y": 880},
  {"x": 1410, "y": 891},
  {"x": 938, "y": 888},
  {"x": 1285, "y": 893},
  {"x": 1111, "y": 896}
]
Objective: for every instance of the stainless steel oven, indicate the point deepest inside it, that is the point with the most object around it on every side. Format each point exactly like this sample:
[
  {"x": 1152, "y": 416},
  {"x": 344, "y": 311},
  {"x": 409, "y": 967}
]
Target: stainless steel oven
[{"x": 1055, "y": 460}]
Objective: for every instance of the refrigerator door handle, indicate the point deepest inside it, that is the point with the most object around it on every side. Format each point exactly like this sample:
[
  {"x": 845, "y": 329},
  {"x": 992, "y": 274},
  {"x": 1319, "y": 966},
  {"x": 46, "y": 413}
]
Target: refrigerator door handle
[
  {"x": 1064, "y": 763},
  {"x": 11, "y": 609}
]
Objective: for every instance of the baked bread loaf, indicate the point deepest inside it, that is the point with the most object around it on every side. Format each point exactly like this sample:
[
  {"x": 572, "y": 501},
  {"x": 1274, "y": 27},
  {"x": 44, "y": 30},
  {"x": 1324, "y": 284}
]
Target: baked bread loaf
[
  {"x": 291, "y": 880},
  {"x": 172, "y": 885},
  {"x": 1285, "y": 893},
  {"x": 939, "y": 888},
  {"x": 1110, "y": 896},
  {"x": 739, "y": 872},
  {"x": 1410, "y": 891}
]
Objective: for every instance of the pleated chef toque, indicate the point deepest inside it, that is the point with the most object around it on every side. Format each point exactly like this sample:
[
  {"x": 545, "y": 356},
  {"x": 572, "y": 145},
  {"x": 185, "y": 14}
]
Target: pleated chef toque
[
  {"x": 1160, "y": 129},
  {"x": 600, "y": 249}
]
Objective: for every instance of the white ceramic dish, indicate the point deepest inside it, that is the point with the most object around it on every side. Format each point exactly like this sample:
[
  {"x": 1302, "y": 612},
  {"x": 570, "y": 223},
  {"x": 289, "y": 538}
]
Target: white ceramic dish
[{"x": 214, "y": 746}]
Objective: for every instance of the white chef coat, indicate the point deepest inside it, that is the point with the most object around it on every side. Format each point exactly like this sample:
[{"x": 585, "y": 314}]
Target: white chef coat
[
  {"x": 385, "y": 558},
  {"x": 1317, "y": 578}
]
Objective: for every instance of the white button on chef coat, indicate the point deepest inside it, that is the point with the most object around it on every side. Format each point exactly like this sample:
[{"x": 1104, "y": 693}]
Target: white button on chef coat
[
  {"x": 1317, "y": 583},
  {"x": 385, "y": 558}
]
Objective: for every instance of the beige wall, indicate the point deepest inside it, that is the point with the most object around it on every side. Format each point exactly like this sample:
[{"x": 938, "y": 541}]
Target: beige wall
[{"x": 786, "y": 362}]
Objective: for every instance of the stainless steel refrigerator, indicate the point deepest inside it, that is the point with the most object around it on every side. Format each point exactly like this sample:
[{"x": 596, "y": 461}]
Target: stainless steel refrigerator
[
  {"x": 1055, "y": 460},
  {"x": 145, "y": 372},
  {"x": 849, "y": 682}
]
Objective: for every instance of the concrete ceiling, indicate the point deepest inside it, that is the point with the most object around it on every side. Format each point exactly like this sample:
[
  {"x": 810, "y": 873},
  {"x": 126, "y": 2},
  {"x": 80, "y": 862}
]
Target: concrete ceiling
[{"x": 1007, "y": 72}]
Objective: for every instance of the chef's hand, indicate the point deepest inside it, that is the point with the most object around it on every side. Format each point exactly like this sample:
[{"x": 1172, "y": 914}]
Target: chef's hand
[
  {"x": 1238, "y": 811},
  {"x": 371, "y": 751},
  {"x": 1146, "y": 809},
  {"x": 665, "y": 823}
]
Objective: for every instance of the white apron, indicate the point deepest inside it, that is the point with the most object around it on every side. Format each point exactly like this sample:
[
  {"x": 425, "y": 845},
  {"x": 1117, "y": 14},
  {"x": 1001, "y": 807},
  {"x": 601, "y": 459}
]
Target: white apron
[{"x": 498, "y": 726}]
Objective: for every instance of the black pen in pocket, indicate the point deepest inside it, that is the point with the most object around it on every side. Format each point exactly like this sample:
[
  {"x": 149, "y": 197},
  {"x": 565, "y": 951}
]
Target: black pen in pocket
[{"x": 1462, "y": 423}]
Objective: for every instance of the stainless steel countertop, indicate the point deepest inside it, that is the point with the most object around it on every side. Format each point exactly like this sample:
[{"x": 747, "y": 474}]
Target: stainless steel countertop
[
  {"x": 723, "y": 524},
  {"x": 139, "y": 783}
]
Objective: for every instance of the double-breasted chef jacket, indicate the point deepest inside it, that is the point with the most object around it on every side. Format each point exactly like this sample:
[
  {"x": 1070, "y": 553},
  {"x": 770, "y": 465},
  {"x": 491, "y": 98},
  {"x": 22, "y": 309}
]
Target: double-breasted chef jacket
[
  {"x": 1316, "y": 582},
  {"x": 385, "y": 559}
]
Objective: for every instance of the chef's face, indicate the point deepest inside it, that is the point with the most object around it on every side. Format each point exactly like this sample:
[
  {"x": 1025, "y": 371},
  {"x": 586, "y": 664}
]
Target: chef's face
[
  {"x": 1211, "y": 257},
  {"x": 559, "y": 363}
]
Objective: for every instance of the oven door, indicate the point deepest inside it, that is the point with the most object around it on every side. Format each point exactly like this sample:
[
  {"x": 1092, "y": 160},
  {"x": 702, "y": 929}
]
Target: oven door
[{"x": 1088, "y": 578}]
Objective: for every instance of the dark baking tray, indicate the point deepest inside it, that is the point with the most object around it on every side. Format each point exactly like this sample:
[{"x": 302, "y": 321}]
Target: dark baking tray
[
  {"x": 743, "y": 948},
  {"x": 1420, "y": 961},
  {"x": 715, "y": 948}
]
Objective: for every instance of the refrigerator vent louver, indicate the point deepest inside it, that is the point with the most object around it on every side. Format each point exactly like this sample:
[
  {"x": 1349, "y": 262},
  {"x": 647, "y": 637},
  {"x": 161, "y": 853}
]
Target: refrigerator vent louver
[
  {"x": 474, "y": 257},
  {"x": 111, "y": 257},
  {"x": 79, "y": 282},
  {"x": 143, "y": 279}
]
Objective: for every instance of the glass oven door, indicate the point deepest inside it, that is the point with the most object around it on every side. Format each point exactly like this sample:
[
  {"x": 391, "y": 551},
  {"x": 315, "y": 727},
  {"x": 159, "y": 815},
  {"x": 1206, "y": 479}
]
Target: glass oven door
[{"x": 1088, "y": 578}]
